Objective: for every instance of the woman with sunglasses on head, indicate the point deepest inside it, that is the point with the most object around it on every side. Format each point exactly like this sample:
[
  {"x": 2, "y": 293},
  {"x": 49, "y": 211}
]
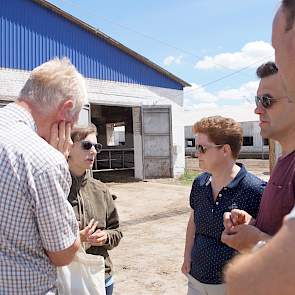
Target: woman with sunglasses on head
[
  {"x": 101, "y": 232},
  {"x": 224, "y": 185}
]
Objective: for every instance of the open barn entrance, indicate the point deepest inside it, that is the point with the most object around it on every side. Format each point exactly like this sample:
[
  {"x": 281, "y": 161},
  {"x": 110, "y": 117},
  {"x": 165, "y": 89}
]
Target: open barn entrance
[{"x": 114, "y": 125}]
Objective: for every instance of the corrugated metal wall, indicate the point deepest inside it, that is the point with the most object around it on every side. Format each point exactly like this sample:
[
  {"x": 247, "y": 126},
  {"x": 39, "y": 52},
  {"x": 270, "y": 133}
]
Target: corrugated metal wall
[{"x": 32, "y": 34}]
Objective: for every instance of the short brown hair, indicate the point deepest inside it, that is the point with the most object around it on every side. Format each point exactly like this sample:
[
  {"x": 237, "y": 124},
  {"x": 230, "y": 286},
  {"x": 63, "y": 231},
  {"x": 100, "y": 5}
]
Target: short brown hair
[
  {"x": 221, "y": 131},
  {"x": 289, "y": 9},
  {"x": 81, "y": 132}
]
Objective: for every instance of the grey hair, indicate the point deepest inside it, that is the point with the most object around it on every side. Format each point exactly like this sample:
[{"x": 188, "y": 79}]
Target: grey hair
[{"x": 53, "y": 82}]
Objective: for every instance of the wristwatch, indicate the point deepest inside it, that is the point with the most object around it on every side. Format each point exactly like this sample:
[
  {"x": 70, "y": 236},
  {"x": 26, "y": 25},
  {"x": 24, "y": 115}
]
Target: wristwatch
[{"x": 258, "y": 246}]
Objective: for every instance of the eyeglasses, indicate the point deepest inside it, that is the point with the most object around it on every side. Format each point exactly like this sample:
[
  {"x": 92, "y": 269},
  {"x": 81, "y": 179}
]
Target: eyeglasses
[
  {"x": 87, "y": 145},
  {"x": 201, "y": 149},
  {"x": 266, "y": 100}
]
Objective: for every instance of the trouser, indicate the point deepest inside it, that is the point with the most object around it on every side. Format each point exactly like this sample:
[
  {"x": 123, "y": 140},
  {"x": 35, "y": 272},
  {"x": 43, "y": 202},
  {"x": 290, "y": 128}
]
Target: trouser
[
  {"x": 109, "y": 289},
  {"x": 109, "y": 283},
  {"x": 197, "y": 288}
]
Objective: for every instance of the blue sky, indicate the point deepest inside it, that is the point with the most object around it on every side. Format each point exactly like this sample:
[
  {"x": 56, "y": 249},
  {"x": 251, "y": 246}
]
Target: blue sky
[{"x": 199, "y": 41}]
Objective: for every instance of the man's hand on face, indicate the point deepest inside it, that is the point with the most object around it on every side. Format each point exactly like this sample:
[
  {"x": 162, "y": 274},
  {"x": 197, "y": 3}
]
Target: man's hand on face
[{"x": 60, "y": 137}]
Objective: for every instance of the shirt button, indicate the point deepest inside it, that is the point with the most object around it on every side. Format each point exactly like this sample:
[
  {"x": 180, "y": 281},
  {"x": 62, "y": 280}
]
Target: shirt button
[
  {"x": 217, "y": 203},
  {"x": 220, "y": 195},
  {"x": 225, "y": 188},
  {"x": 212, "y": 210}
]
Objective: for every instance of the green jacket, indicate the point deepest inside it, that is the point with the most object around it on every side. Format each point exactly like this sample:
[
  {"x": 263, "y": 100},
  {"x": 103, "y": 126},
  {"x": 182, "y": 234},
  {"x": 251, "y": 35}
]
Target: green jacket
[{"x": 99, "y": 205}]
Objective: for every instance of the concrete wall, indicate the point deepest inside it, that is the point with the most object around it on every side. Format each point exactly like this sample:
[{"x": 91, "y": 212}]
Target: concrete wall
[
  {"x": 113, "y": 93},
  {"x": 138, "y": 160}
]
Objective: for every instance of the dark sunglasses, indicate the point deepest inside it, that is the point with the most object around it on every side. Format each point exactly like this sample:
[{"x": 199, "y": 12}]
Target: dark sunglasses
[
  {"x": 87, "y": 145},
  {"x": 266, "y": 100},
  {"x": 203, "y": 149}
]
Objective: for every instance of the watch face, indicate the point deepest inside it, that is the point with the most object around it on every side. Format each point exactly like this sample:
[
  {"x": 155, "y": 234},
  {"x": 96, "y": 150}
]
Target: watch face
[{"x": 259, "y": 245}]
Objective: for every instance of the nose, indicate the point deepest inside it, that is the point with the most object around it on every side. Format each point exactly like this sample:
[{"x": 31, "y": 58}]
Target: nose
[
  {"x": 199, "y": 154},
  {"x": 259, "y": 109},
  {"x": 93, "y": 150}
]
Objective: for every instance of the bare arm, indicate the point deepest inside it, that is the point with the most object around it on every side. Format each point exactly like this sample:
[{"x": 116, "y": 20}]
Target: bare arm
[
  {"x": 60, "y": 139},
  {"x": 64, "y": 257},
  {"x": 243, "y": 237},
  {"x": 268, "y": 271},
  {"x": 189, "y": 242}
]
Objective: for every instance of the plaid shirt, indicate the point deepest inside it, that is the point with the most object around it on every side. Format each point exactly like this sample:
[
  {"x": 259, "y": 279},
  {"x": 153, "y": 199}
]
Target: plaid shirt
[{"x": 35, "y": 215}]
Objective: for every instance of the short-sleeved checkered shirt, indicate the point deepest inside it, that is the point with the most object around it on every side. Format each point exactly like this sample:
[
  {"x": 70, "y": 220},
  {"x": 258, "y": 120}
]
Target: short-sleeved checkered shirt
[{"x": 35, "y": 215}]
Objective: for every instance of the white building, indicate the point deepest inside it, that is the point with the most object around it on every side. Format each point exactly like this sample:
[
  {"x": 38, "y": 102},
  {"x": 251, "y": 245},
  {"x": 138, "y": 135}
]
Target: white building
[{"x": 126, "y": 90}]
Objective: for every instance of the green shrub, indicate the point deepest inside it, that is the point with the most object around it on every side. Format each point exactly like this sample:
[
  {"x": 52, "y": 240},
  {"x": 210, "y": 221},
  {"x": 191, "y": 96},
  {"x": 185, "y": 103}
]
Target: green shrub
[{"x": 188, "y": 177}]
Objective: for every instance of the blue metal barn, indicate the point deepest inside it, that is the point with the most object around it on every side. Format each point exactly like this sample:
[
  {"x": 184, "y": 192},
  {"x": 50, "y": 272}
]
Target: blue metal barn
[
  {"x": 35, "y": 31},
  {"x": 124, "y": 88}
]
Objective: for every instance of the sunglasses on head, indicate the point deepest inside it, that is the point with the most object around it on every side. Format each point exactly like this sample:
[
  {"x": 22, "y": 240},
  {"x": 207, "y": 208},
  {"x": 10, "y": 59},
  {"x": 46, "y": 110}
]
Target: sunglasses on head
[
  {"x": 266, "y": 100},
  {"x": 203, "y": 149},
  {"x": 87, "y": 145}
]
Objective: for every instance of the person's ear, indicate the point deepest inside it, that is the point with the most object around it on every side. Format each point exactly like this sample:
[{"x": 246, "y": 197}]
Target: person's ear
[
  {"x": 64, "y": 113},
  {"x": 226, "y": 149}
]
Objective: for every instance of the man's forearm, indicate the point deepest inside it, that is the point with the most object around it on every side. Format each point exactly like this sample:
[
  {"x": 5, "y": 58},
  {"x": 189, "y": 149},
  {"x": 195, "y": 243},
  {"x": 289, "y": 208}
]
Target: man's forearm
[
  {"x": 268, "y": 271},
  {"x": 64, "y": 257},
  {"x": 264, "y": 236},
  {"x": 244, "y": 237}
]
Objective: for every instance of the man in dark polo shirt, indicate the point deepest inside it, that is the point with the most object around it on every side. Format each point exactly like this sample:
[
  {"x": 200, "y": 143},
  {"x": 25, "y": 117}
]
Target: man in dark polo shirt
[{"x": 277, "y": 121}]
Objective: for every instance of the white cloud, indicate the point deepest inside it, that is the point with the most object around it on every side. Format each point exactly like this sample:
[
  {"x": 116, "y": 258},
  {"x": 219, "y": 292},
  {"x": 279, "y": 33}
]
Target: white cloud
[
  {"x": 251, "y": 54},
  {"x": 241, "y": 113},
  {"x": 197, "y": 96},
  {"x": 203, "y": 105},
  {"x": 245, "y": 92},
  {"x": 199, "y": 103},
  {"x": 172, "y": 59},
  {"x": 168, "y": 60}
]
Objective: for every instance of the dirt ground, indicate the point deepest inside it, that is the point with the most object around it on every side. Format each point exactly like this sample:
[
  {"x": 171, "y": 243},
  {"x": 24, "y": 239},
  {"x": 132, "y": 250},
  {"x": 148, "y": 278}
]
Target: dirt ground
[
  {"x": 153, "y": 217},
  {"x": 256, "y": 166}
]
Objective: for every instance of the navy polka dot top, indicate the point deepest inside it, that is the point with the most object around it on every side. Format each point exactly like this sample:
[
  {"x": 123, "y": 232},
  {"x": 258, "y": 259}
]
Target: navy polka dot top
[{"x": 209, "y": 255}]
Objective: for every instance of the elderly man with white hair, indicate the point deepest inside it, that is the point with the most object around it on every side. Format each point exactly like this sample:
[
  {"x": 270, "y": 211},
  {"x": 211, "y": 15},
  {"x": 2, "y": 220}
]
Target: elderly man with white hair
[{"x": 38, "y": 228}]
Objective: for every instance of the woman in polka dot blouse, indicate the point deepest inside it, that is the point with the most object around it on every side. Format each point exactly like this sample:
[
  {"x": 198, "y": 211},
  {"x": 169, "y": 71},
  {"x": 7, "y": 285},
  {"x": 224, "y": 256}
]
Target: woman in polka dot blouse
[{"x": 223, "y": 186}]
